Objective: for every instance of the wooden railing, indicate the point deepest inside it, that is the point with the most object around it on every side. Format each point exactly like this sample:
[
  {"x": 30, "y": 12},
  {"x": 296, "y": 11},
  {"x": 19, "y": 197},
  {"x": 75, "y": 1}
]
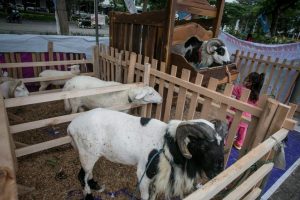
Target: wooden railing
[
  {"x": 42, "y": 57},
  {"x": 280, "y": 77}
]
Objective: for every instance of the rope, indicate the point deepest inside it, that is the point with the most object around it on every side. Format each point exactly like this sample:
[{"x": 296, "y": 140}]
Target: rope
[{"x": 147, "y": 166}]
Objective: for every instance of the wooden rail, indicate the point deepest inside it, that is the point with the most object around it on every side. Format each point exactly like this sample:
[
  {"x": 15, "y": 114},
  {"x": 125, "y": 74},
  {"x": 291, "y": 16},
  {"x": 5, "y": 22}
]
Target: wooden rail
[{"x": 280, "y": 76}]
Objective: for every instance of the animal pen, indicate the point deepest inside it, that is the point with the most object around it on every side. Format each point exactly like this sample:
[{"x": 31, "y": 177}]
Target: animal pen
[{"x": 270, "y": 123}]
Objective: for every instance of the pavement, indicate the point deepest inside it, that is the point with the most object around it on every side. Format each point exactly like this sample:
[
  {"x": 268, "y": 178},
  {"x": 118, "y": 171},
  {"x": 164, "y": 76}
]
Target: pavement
[{"x": 46, "y": 28}]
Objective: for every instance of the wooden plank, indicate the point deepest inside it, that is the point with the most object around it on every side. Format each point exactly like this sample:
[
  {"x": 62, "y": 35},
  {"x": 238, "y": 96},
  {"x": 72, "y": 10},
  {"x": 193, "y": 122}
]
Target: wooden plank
[
  {"x": 283, "y": 83},
  {"x": 264, "y": 122},
  {"x": 146, "y": 83},
  {"x": 170, "y": 96},
  {"x": 194, "y": 98},
  {"x": 42, "y": 61},
  {"x": 235, "y": 125},
  {"x": 42, "y": 146},
  {"x": 261, "y": 58},
  {"x": 39, "y": 79},
  {"x": 278, "y": 77},
  {"x": 131, "y": 68},
  {"x": 289, "y": 124},
  {"x": 250, "y": 182},
  {"x": 214, "y": 186},
  {"x": 126, "y": 69},
  {"x": 158, "y": 113},
  {"x": 119, "y": 67},
  {"x": 46, "y": 63},
  {"x": 35, "y": 72},
  {"x": 238, "y": 65},
  {"x": 185, "y": 75},
  {"x": 50, "y": 53},
  {"x": 243, "y": 73},
  {"x": 212, "y": 85},
  {"x": 7, "y": 147},
  {"x": 20, "y": 70},
  {"x": 7, "y": 60},
  {"x": 224, "y": 107},
  {"x": 138, "y": 72},
  {"x": 293, "y": 81},
  {"x": 57, "y": 58},
  {"x": 112, "y": 65},
  {"x": 57, "y": 120},
  {"x": 292, "y": 110},
  {"x": 254, "y": 194},
  {"x": 11, "y": 60},
  {"x": 273, "y": 67},
  {"x": 152, "y": 84},
  {"x": 21, "y": 101},
  {"x": 251, "y": 65}
]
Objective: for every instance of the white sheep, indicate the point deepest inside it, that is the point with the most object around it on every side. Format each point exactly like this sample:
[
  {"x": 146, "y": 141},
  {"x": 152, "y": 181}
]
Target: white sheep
[
  {"x": 140, "y": 95},
  {"x": 12, "y": 88},
  {"x": 74, "y": 70},
  {"x": 180, "y": 150}
]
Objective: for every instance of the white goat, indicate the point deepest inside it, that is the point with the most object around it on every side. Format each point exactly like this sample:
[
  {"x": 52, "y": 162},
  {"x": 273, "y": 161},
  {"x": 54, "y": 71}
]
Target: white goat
[
  {"x": 179, "y": 150},
  {"x": 12, "y": 88},
  {"x": 141, "y": 95},
  {"x": 203, "y": 54},
  {"x": 74, "y": 70}
]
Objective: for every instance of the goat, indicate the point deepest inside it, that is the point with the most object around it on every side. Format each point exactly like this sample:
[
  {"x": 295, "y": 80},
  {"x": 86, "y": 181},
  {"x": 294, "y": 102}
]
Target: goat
[
  {"x": 74, "y": 70},
  {"x": 203, "y": 54},
  {"x": 141, "y": 95},
  {"x": 12, "y": 88},
  {"x": 188, "y": 148}
]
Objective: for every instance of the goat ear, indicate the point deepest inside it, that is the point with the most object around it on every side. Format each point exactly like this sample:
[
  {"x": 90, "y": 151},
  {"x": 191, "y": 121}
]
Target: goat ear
[
  {"x": 221, "y": 127},
  {"x": 140, "y": 94}
]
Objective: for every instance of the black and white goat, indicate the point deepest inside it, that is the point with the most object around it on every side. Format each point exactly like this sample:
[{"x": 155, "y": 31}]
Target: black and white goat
[
  {"x": 188, "y": 148},
  {"x": 202, "y": 54}
]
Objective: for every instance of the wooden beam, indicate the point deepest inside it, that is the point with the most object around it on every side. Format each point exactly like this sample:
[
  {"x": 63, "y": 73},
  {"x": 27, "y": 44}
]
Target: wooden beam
[
  {"x": 253, "y": 194},
  {"x": 45, "y": 63},
  {"x": 243, "y": 188},
  {"x": 21, "y": 101},
  {"x": 58, "y": 120},
  {"x": 41, "y": 79},
  {"x": 7, "y": 156},
  {"x": 42, "y": 146},
  {"x": 214, "y": 186}
]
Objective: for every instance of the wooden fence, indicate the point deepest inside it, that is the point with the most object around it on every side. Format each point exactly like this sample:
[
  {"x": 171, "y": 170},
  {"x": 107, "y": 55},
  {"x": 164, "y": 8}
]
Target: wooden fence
[
  {"x": 180, "y": 101},
  {"x": 280, "y": 77},
  {"x": 36, "y": 57},
  {"x": 181, "y": 98}
]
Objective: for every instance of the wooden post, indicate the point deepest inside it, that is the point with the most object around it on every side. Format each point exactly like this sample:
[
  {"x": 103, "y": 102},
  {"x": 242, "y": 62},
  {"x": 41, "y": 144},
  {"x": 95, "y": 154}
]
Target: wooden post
[
  {"x": 119, "y": 66},
  {"x": 217, "y": 20},
  {"x": 169, "y": 27},
  {"x": 96, "y": 69},
  {"x": 131, "y": 68},
  {"x": 7, "y": 157},
  {"x": 50, "y": 52},
  {"x": 146, "y": 83},
  {"x": 253, "y": 194},
  {"x": 264, "y": 122}
]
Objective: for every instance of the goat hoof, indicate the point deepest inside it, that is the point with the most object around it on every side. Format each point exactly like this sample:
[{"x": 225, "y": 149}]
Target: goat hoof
[
  {"x": 94, "y": 185},
  {"x": 89, "y": 197}
]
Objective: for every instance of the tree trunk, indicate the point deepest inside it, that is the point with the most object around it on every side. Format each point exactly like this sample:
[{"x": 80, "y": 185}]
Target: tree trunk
[
  {"x": 61, "y": 18},
  {"x": 275, "y": 17}
]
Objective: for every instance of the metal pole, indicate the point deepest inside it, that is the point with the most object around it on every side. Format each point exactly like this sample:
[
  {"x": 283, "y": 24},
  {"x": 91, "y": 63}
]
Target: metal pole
[{"x": 96, "y": 21}]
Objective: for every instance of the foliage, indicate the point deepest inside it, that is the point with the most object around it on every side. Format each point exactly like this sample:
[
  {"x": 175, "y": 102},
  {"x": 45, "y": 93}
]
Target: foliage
[{"x": 283, "y": 18}]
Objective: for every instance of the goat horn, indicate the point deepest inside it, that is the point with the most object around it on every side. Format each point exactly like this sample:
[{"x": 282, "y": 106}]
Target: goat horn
[
  {"x": 213, "y": 43},
  {"x": 196, "y": 129}
]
